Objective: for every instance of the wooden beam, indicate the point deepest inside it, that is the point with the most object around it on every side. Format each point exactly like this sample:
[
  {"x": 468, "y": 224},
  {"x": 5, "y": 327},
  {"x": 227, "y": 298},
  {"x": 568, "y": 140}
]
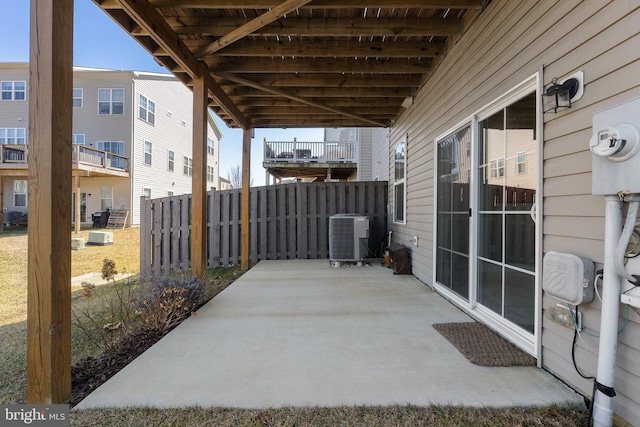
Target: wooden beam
[
  {"x": 319, "y": 27},
  {"x": 223, "y": 100},
  {"x": 317, "y": 4},
  {"x": 320, "y": 65},
  {"x": 77, "y": 205},
  {"x": 318, "y": 48},
  {"x": 332, "y": 80},
  {"x": 297, "y": 98},
  {"x": 321, "y": 92},
  {"x": 244, "y": 214},
  {"x": 199, "y": 177},
  {"x": 248, "y": 28},
  {"x": 50, "y": 168}
]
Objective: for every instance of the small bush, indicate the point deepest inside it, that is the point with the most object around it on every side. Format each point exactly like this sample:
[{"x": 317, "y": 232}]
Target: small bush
[{"x": 170, "y": 301}]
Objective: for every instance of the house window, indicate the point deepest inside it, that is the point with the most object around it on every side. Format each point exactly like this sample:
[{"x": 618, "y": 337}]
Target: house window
[
  {"x": 13, "y": 136},
  {"x": 187, "y": 165},
  {"x": 14, "y": 91},
  {"x": 171, "y": 160},
  {"x": 146, "y": 192},
  {"x": 106, "y": 197},
  {"x": 147, "y": 110},
  {"x": 147, "y": 152},
  {"x": 113, "y": 147},
  {"x": 210, "y": 173},
  {"x": 20, "y": 193},
  {"x": 521, "y": 162},
  {"x": 110, "y": 101},
  {"x": 210, "y": 146},
  {"x": 77, "y": 139},
  {"x": 399, "y": 187},
  {"x": 497, "y": 168},
  {"x": 77, "y": 97},
  {"x": 169, "y": 193}
]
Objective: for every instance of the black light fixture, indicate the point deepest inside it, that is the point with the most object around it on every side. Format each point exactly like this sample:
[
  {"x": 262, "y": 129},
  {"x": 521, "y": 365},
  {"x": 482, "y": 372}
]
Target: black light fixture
[{"x": 558, "y": 96}]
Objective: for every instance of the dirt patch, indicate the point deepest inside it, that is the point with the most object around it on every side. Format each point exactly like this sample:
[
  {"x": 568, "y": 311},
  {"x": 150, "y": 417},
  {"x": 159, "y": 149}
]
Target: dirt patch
[{"x": 92, "y": 372}]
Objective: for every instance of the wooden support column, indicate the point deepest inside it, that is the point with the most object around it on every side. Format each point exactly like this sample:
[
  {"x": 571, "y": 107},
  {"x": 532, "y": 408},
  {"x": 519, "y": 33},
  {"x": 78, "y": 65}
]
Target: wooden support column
[
  {"x": 199, "y": 178},
  {"x": 246, "y": 183},
  {"x": 77, "y": 205},
  {"x": 49, "y": 247},
  {"x": 2, "y": 202}
]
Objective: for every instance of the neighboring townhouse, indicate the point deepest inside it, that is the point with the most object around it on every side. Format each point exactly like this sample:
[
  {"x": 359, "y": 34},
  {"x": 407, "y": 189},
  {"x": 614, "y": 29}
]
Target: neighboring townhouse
[
  {"x": 346, "y": 154},
  {"x": 131, "y": 138}
]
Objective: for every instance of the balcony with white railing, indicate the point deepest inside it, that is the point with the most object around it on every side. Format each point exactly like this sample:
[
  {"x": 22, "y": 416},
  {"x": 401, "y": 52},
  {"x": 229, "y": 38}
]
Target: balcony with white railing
[
  {"x": 16, "y": 157},
  {"x": 288, "y": 159}
]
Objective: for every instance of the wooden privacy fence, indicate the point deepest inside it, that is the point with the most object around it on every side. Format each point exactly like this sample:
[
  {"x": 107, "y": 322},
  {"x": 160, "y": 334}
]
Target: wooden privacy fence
[{"x": 289, "y": 221}]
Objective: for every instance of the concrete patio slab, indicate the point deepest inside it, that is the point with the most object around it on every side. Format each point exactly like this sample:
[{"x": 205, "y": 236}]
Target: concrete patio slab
[{"x": 300, "y": 333}]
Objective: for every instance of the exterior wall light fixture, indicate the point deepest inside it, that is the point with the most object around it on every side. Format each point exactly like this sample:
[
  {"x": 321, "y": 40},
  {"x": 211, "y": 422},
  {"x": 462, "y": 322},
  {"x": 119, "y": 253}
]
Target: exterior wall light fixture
[{"x": 558, "y": 96}]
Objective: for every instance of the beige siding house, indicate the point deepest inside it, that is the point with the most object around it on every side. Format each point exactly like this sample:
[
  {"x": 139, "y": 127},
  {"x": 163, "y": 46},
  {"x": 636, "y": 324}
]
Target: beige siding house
[
  {"x": 489, "y": 183},
  {"x": 131, "y": 136}
]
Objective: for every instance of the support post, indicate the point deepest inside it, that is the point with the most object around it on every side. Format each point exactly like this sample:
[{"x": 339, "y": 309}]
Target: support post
[
  {"x": 199, "y": 178},
  {"x": 246, "y": 183},
  {"x": 49, "y": 246},
  {"x": 2, "y": 202},
  {"x": 77, "y": 205}
]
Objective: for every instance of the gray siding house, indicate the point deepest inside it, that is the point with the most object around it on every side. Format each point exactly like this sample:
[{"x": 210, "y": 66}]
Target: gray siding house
[
  {"x": 131, "y": 136},
  {"x": 490, "y": 183}
]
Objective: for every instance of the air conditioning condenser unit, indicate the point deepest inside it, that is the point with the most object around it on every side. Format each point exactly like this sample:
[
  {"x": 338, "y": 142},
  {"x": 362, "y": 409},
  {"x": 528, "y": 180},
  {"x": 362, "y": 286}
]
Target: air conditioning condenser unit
[
  {"x": 348, "y": 237},
  {"x": 100, "y": 238}
]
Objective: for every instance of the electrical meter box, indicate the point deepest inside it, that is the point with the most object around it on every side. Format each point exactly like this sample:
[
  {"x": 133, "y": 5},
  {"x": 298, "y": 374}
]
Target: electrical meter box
[
  {"x": 568, "y": 277},
  {"x": 615, "y": 145}
]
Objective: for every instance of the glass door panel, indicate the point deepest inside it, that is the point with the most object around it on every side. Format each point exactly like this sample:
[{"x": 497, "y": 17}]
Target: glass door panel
[
  {"x": 506, "y": 201},
  {"x": 453, "y": 203}
]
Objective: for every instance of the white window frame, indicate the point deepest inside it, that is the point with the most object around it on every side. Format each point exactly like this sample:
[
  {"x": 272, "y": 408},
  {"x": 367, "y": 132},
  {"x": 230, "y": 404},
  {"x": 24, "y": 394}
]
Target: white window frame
[
  {"x": 400, "y": 184},
  {"x": 169, "y": 193},
  {"x": 146, "y": 109},
  {"x": 146, "y": 192},
  {"x": 17, "y": 191},
  {"x": 148, "y": 149},
  {"x": 13, "y": 91},
  {"x": 521, "y": 162},
  {"x": 103, "y": 199},
  {"x": 210, "y": 173},
  {"x": 78, "y": 139},
  {"x": 15, "y": 138},
  {"x": 171, "y": 160},
  {"x": 111, "y": 102},
  {"x": 78, "y": 98},
  {"x": 211, "y": 148},
  {"x": 187, "y": 166}
]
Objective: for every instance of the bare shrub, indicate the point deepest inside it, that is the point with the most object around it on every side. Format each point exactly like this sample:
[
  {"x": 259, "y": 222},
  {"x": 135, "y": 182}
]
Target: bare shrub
[{"x": 170, "y": 301}]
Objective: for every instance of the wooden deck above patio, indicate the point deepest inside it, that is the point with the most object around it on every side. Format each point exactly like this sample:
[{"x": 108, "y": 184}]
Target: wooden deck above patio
[{"x": 14, "y": 160}]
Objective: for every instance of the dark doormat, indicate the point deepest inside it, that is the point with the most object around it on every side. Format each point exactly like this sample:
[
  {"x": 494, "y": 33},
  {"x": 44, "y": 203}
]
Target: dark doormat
[{"x": 482, "y": 346}]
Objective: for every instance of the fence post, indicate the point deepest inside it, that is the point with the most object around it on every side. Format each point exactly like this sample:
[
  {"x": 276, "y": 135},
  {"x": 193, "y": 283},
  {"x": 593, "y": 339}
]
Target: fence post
[{"x": 145, "y": 238}]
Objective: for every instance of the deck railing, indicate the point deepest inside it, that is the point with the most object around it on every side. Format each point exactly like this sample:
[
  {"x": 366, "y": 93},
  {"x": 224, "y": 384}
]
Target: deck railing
[
  {"x": 310, "y": 152},
  {"x": 289, "y": 221},
  {"x": 19, "y": 154}
]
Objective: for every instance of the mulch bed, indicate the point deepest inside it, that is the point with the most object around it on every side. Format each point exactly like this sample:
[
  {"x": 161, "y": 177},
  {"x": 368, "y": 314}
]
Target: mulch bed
[
  {"x": 482, "y": 346},
  {"x": 92, "y": 372}
]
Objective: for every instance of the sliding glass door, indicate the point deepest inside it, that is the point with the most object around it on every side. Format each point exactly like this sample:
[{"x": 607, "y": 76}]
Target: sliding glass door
[
  {"x": 506, "y": 212},
  {"x": 486, "y": 245}
]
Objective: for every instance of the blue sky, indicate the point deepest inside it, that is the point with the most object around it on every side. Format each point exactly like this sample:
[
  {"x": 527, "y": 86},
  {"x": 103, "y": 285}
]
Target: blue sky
[{"x": 100, "y": 42}]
